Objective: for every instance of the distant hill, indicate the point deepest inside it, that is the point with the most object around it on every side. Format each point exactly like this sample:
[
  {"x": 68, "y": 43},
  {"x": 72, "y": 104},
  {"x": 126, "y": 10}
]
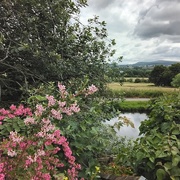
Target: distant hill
[{"x": 154, "y": 63}]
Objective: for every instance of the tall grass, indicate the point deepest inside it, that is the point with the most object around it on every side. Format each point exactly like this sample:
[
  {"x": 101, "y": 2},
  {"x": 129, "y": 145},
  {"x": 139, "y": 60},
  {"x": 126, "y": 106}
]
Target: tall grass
[
  {"x": 132, "y": 106},
  {"x": 136, "y": 90}
]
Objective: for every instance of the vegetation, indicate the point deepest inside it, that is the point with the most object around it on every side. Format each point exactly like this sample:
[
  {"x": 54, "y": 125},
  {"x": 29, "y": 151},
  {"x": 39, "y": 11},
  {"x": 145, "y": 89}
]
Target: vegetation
[
  {"x": 118, "y": 73},
  {"x": 135, "y": 90},
  {"x": 158, "y": 151},
  {"x": 162, "y": 75},
  {"x": 176, "y": 81},
  {"x": 133, "y": 106},
  {"x": 43, "y": 41}
]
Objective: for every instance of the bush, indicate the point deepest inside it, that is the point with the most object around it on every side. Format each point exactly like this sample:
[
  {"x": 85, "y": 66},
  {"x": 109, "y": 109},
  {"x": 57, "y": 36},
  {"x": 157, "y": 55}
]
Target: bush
[
  {"x": 158, "y": 151},
  {"x": 32, "y": 144},
  {"x": 137, "y": 80}
]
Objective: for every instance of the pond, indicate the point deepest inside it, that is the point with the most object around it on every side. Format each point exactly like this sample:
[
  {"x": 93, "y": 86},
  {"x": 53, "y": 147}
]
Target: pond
[{"x": 128, "y": 131}]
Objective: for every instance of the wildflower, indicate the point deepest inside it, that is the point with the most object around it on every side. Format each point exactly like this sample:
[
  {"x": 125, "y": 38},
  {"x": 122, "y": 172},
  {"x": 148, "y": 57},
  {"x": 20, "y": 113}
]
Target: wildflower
[{"x": 97, "y": 169}]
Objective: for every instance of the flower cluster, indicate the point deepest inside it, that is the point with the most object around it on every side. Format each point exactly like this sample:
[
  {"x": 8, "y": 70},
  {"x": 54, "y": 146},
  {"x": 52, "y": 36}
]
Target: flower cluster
[
  {"x": 91, "y": 89},
  {"x": 35, "y": 155},
  {"x": 14, "y": 111}
]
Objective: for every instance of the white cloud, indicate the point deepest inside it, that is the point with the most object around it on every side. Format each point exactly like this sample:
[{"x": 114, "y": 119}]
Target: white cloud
[{"x": 143, "y": 29}]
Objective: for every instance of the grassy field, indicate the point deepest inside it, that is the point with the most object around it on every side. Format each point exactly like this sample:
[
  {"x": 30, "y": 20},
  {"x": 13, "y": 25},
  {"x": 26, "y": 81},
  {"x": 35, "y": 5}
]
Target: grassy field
[
  {"x": 139, "y": 86},
  {"x": 139, "y": 90}
]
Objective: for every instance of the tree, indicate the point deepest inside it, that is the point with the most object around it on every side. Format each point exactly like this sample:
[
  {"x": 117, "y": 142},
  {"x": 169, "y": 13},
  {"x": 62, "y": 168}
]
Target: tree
[
  {"x": 42, "y": 41},
  {"x": 162, "y": 75},
  {"x": 156, "y": 75},
  {"x": 175, "y": 69},
  {"x": 176, "y": 81}
]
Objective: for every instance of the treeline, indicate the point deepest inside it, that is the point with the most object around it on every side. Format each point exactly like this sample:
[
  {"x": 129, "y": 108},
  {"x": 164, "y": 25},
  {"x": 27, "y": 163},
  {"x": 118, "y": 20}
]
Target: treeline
[
  {"x": 164, "y": 75},
  {"x": 118, "y": 73},
  {"x": 160, "y": 75}
]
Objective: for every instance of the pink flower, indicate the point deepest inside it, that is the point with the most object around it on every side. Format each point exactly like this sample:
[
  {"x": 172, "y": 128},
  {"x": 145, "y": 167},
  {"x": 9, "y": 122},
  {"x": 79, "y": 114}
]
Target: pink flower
[
  {"x": 22, "y": 145},
  {"x": 39, "y": 110},
  {"x": 61, "y": 87},
  {"x": 11, "y": 116},
  {"x": 40, "y": 152},
  {"x": 1, "y": 167},
  {"x": 13, "y": 107},
  {"x": 91, "y": 89},
  {"x": 4, "y": 112},
  {"x": 14, "y": 137},
  {"x": 62, "y": 90},
  {"x": 46, "y": 176},
  {"x": 67, "y": 110},
  {"x": 51, "y": 100},
  {"x": 29, "y": 120},
  {"x": 56, "y": 114},
  {"x": 11, "y": 153},
  {"x": 74, "y": 107},
  {"x": 61, "y": 104},
  {"x": 2, "y": 118},
  {"x": 2, "y": 176}
]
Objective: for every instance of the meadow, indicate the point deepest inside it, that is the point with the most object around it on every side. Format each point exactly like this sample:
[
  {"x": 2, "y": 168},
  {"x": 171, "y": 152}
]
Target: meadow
[{"x": 138, "y": 90}]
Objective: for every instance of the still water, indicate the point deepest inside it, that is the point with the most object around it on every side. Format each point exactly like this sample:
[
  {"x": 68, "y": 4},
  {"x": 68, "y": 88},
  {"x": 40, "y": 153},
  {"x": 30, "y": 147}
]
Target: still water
[{"x": 129, "y": 132}]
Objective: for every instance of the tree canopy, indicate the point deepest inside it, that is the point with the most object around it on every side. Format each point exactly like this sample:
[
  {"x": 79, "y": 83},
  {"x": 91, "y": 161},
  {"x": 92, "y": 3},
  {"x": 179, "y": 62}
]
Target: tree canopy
[
  {"x": 43, "y": 40},
  {"x": 162, "y": 75},
  {"x": 176, "y": 81}
]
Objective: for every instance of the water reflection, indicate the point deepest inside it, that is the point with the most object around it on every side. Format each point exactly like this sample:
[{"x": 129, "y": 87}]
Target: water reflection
[{"x": 130, "y": 132}]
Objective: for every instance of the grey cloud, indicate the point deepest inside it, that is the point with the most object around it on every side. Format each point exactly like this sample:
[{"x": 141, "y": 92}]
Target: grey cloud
[
  {"x": 159, "y": 1},
  {"x": 167, "y": 51},
  {"x": 150, "y": 29},
  {"x": 160, "y": 20},
  {"x": 100, "y": 4}
]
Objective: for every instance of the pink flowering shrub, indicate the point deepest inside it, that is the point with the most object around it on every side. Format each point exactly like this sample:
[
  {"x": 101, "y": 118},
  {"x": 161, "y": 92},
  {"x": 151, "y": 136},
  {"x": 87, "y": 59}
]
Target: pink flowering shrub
[{"x": 38, "y": 150}]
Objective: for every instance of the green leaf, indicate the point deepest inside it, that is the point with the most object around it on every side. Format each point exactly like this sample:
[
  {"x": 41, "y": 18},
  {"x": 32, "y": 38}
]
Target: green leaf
[
  {"x": 160, "y": 174},
  {"x": 175, "y": 160},
  {"x": 49, "y": 147},
  {"x": 176, "y": 132},
  {"x": 174, "y": 150},
  {"x": 83, "y": 127},
  {"x": 175, "y": 171},
  {"x": 168, "y": 166}
]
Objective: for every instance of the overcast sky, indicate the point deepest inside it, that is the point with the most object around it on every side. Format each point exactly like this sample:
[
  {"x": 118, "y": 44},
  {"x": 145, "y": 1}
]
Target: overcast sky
[{"x": 144, "y": 30}]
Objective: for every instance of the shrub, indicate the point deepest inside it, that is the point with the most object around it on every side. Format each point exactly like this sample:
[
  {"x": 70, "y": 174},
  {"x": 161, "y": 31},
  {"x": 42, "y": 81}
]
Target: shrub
[
  {"x": 32, "y": 144},
  {"x": 137, "y": 80},
  {"x": 158, "y": 151}
]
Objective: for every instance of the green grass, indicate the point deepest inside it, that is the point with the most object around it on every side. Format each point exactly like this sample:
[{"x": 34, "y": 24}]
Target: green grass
[
  {"x": 132, "y": 106},
  {"x": 143, "y": 90}
]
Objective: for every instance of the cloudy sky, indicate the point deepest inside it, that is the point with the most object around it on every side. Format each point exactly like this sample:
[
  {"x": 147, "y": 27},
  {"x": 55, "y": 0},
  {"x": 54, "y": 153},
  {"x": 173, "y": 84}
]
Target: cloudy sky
[{"x": 144, "y": 30}]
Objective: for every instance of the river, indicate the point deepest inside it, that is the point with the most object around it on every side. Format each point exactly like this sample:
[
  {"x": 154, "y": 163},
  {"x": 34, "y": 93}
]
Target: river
[{"x": 129, "y": 132}]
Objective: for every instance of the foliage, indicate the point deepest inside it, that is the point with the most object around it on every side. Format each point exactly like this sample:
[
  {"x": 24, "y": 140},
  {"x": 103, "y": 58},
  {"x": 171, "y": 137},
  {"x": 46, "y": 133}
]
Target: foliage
[
  {"x": 42, "y": 41},
  {"x": 137, "y": 80},
  {"x": 132, "y": 106},
  {"x": 162, "y": 75},
  {"x": 134, "y": 90},
  {"x": 118, "y": 73},
  {"x": 119, "y": 162},
  {"x": 32, "y": 144},
  {"x": 157, "y": 152},
  {"x": 176, "y": 81},
  {"x": 88, "y": 136},
  {"x": 135, "y": 93}
]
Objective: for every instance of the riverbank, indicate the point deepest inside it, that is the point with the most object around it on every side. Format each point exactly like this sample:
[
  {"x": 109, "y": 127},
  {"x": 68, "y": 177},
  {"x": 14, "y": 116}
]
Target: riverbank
[{"x": 132, "y": 105}]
